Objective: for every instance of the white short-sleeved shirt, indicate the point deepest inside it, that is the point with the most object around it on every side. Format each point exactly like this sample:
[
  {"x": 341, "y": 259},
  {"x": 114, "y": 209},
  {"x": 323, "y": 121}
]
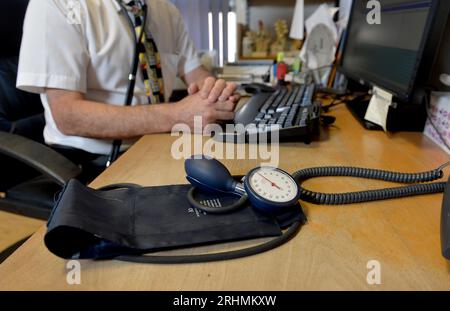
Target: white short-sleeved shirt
[{"x": 92, "y": 54}]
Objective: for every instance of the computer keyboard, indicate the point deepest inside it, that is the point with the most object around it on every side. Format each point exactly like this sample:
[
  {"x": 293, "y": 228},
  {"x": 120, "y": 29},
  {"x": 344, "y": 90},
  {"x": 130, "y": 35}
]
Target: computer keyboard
[{"x": 291, "y": 112}]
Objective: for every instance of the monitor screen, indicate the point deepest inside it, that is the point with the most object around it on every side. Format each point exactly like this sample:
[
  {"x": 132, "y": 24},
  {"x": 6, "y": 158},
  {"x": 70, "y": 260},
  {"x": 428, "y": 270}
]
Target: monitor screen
[{"x": 386, "y": 54}]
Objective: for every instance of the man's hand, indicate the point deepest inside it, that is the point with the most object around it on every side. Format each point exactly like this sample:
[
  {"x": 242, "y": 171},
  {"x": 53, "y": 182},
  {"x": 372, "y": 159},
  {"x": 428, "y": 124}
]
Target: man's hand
[
  {"x": 195, "y": 105},
  {"x": 213, "y": 90}
]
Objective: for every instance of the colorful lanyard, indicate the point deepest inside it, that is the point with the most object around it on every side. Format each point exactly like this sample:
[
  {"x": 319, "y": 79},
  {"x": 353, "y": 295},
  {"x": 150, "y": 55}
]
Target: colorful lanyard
[{"x": 149, "y": 57}]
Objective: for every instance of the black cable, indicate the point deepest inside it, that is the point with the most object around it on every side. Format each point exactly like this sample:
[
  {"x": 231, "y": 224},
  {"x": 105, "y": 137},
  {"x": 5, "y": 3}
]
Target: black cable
[
  {"x": 370, "y": 195},
  {"x": 335, "y": 102},
  {"x": 132, "y": 76},
  {"x": 340, "y": 99},
  {"x": 274, "y": 243}
]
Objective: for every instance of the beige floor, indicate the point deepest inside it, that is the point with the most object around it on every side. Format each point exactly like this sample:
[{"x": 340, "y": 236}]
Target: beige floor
[{"x": 14, "y": 228}]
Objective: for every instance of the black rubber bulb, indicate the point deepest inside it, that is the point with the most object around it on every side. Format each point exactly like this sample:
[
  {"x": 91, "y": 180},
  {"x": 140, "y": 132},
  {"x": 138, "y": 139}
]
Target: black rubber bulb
[{"x": 209, "y": 174}]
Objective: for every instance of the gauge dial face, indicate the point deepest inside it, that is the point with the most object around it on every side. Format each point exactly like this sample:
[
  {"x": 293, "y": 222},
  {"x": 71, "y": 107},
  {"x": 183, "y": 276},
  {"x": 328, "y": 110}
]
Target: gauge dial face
[{"x": 273, "y": 185}]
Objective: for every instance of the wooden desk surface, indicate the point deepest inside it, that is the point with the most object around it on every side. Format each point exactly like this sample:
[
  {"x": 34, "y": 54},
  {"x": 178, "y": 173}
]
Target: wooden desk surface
[{"x": 330, "y": 253}]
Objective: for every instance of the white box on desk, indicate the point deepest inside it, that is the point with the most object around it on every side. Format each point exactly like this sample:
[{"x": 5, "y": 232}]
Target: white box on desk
[{"x": 439, "y": 120}]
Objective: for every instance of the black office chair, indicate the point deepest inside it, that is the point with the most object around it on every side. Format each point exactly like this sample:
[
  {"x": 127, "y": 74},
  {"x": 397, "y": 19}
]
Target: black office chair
[{"x": 30, "y": 172}]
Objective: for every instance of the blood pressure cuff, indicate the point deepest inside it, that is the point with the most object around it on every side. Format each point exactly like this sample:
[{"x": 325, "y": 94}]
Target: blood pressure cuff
[{"x": 129, "y": 219}]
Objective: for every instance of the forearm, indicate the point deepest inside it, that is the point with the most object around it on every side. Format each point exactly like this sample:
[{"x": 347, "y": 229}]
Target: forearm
[
  {"x": 76, "y": 116},
  {"x": 103, "y": 121}
]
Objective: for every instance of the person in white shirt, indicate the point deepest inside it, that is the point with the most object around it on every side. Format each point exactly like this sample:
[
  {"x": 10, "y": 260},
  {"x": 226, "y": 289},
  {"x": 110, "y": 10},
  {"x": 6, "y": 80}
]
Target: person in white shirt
[{"x": 80, "y": 67}]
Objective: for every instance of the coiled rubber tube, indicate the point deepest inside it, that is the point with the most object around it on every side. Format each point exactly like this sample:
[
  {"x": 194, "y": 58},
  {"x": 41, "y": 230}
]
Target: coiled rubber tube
[{"x": 370, "y": 195}]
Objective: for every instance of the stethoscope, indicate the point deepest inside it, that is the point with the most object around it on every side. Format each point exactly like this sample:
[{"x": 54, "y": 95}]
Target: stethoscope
[
  {"x": 269, "y": 189},
  {"x": 115, "y": 149}
]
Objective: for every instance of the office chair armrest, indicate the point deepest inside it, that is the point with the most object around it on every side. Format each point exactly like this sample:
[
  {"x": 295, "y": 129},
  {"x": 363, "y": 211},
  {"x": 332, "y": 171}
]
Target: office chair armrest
[{"x": 39, "y": 157}]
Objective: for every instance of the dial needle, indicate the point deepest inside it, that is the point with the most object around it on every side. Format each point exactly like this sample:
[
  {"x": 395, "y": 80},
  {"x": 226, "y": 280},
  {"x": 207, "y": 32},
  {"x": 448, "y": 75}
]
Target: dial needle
[{"x": 271, "y": 182}]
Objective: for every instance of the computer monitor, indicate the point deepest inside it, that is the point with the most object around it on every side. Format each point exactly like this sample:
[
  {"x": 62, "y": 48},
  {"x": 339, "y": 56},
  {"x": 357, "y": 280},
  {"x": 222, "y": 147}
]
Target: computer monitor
[
  {"x": 398, "y": 53},
  {"x": 388, "y": 54}
]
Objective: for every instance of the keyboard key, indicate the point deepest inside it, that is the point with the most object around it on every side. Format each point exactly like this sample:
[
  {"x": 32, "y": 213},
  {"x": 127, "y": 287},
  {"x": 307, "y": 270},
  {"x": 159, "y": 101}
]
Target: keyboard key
[
  {"x": 262, "y": 122},
  {"x": 289, "y": 111},
  {"x": 259, "y": 117},
  {"x": 308, "y": 96},
  {"x": 299, "y": 96},
  {"x": 269, "y": 101},
  {"x": 288, "y": 98},
  {"x": 288, "y": 123},
  {"x": 265, "y": 107},
  {"x": 280, "y": 122},
  {"x": 282, "y": 109},
  {"x": 286, "y": 101},
  {"x": 293, "y": 97},
  {"x": 278, "y": 101},
  {"x": 293, "y": 110}
]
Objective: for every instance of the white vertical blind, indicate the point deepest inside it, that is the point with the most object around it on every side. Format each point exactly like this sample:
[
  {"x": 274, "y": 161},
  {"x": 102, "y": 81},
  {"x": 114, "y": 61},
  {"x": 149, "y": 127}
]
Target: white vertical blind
[
  {"x": 232, "y": 37},
  {"x": 195, "y": 14},
  {"x": 224, "y": 12}
]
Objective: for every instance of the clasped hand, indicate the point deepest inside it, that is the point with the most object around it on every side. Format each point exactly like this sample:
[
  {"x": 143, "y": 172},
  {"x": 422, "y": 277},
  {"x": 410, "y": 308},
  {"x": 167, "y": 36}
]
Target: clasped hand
[{"x": 212, "y": 99}]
